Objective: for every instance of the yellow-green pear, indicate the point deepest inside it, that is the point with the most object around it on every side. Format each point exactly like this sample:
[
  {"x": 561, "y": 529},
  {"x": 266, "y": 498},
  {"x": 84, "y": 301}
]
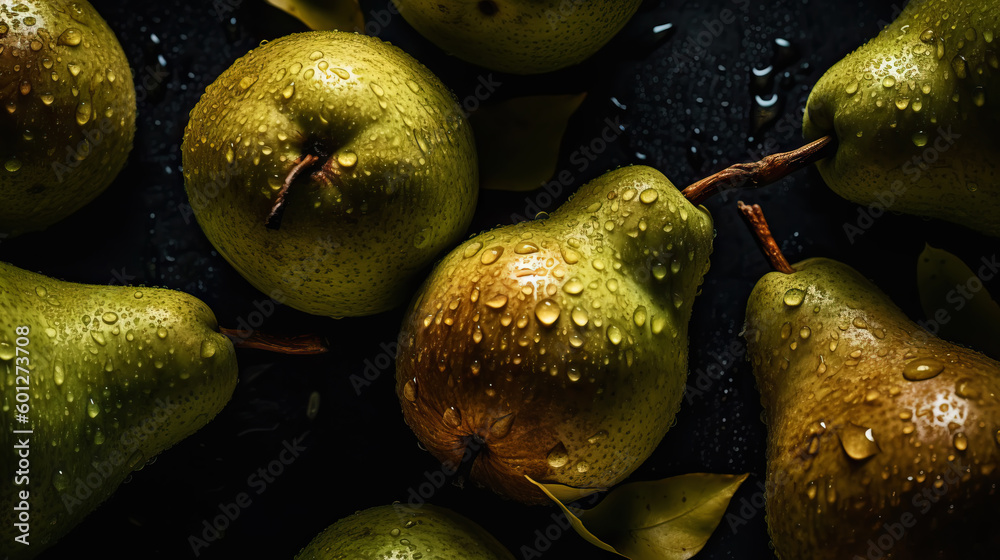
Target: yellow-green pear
[
  {"x": 69, "y": 116},
  {"x": 915, "y": 113},
  {"x": 519, "y": 36},
  {"x": 557, "y": 348},
  {"x": 330, "y": 168},
  {"x": 401, "y": 532},
  {"x": 97, "y": 381},
  {"x": 883, "y": 440}
]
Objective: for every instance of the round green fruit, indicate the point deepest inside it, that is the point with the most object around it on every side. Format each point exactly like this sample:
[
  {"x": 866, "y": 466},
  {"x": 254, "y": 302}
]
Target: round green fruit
[
  {"x": 363, "y": 154},
  {"x": 519, "y": 36},
  {"x": 405, "y": 533},
  {"x": 69, "y": 111}
]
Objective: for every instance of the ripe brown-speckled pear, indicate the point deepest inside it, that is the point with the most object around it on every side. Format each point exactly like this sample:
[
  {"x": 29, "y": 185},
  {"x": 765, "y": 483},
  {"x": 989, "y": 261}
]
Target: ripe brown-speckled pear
[
  {"x": 519, "y": 36},
  {"x": 557, "y": 348},
  {"x": 915, "y": 112},
  {"x": 370, "y": 153},
  {"x": 112, "y": 376},
  {"x": 69, "y": 116},
  {"x": 405, "y": 533},
  {"x": 883, "y": 441}
]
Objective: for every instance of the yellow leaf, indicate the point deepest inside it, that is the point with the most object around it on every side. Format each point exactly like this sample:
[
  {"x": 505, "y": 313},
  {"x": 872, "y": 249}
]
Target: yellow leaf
[
  {"x": 669, "y": 519},
  {"x": 518, "y": 140},
  {"x": 953, "y": 297},
  {"x": 324, "y": 15}
]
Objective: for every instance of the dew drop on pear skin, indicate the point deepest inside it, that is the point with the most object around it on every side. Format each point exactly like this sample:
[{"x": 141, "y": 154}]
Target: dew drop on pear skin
[
  {"x": 794, "y": 297},
  {"x": 558, "y": 456},
  {"x": 922, "y": 368},
  {"x": 858, "y": 442}
]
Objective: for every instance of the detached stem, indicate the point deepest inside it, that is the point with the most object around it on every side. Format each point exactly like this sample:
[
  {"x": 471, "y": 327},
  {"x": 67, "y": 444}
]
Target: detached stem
[
  {"x": 763, "y": 172},
  {"x": 299, "y": 345},
  {"x": 758, "y": 225},
  {"x": 274, "y": 217}
]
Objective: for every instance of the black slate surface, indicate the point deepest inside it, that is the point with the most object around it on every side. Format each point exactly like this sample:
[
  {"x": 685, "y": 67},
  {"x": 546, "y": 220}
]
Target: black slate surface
[{"x": 686, "y": 99}]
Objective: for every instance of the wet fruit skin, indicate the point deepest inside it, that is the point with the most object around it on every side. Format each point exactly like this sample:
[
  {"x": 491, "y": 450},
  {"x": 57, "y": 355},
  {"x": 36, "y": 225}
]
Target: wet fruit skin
[
  {"x": 557, "y": 348},
  {"x": 519, "y": 36},
  {"x": 68, "y": 113},
  {"x": 833, "y": 358},
  {"x": 404, "y": 533},
  {"x": 116, "y": 375},
  {"x": 396, "y": 183},
  {"x": 916, "y": 112}
]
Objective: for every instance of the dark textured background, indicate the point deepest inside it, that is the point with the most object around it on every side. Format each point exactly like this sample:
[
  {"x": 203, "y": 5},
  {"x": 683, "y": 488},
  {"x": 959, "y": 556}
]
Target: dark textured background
[{"x": 687, "y": 111}]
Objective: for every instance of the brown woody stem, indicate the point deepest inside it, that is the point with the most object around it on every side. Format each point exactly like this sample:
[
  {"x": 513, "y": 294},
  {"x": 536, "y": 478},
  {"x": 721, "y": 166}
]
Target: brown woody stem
[
  {"x": 299, "y": 344},
  {"x": 755, "y": 218},
  {"x": 763, "y": 172},
  {"x": 274, "y": 217}
]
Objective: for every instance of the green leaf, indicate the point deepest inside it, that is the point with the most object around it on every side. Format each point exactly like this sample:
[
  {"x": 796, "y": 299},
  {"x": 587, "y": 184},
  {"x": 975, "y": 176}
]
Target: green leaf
[
  {"x": 953, "y": 297},
  {"x": 669, "y": 519},
  {"x": 518, "y": 140},
  {"x": 324, "y": 15}
]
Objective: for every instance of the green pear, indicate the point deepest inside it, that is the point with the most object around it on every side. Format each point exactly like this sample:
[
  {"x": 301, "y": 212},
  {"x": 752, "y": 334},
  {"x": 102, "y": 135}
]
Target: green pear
[
  {"x": 519, "y": 36},
  {"x": 391, "y": 150},
  {"x": 557, "y": 348},
  {"x": 106, "y": 377},
  {"x": 405, "y": 533},
  {"x": 915, "y": 115},
  {"x": 883, "y": 440},
  {"x": 70, "y": 110}
]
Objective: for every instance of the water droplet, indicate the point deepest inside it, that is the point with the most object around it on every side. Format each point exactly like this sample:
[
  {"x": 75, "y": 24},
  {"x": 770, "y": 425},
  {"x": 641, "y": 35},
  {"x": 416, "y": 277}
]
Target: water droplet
[
  {"x": 501, "y": 427},
  {"x": 979, "y": 96},
  {"x": 573, "y": 374},
  {"x": 347, "y": 159},
  {"x": 888, "y": 81},
  {"x": 922, "y": 368},
  {"x": 525, "y": 248},
  {"x": 960, "y": 66},
  {"x": 93, "y": 409},
  {"x": 582, "y": 467},
  {"x": 491, "y": 255},
  {"x": 614, "y": 334},
  {"x": 394, "y": 533},
  {"x": 99, "y": 437},
  {"x": 58, "y": 374},
  {"x": 858, "y": 442},
  {"x": 410, "y": 391},
  {"x": 208, "y": 349},
  {"x": 927, "y": 36},
  {"x": 570, "y": 256},
  {"x": 60, "y": 481},
  {"x": 161, "y": 332},
  {"x": 811, "y": 491},
  {"x": 558, "y": 456},
  {"x": 12, "y": 165},
  {"x": 794, "y": 297},
  {"x": 471, "y": 249},
  {"x": 639, "y": 316},
  {"x": 573, "y": 287},
  {"x": 967, "y": 389},
  {"x": 83, "y": 113},
  {"x": 919, "y": 139},
  {"x": 71, "y": 37},
  {"x": 960, "y": 441},
  {"x": 110, "y": 318},
  {"x": 98, "y": 337},
  {"x": 804, "y": 332},
  {"x": 497, "y": 301},
  {"x": 547, "y": 312},
  {"x": 289, "y": 91},
  {"x": 902, "y": 103},
  {"x": 648, "y": 196},
  {"x": 452, "y": 417},
  {"x": 341, "y": 73},
  {"x": 579, "y": 317},
  {"x": 786, "y": 331}
]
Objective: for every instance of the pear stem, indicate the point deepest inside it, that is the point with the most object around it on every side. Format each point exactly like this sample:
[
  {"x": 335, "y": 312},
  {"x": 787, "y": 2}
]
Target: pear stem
[
  {"x": 303, "y": 344},
  {"x": 759, "y": 173},
  {"x": 274, "y": 217},
  {"x": 758, "y": 225}
]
